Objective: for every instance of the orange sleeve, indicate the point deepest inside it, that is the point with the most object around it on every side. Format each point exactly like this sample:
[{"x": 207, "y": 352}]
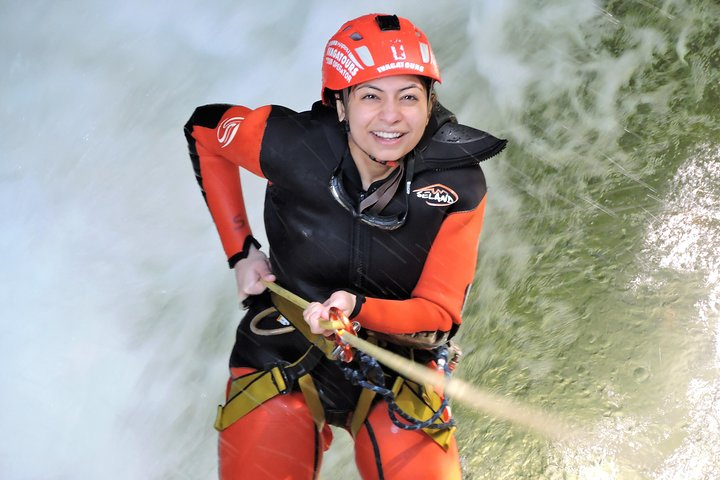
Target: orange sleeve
[
  {"x": 218, "y": 146},
  {"x": 436, "y": 302}
]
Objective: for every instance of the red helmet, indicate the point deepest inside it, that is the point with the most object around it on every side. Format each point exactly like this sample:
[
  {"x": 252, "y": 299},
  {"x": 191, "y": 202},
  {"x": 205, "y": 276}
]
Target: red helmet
[{"x": 375, "y": 46}]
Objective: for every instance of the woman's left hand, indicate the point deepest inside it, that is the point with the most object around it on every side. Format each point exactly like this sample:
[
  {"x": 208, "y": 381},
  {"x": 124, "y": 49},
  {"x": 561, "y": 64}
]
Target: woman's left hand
[{"x": 316, "y": 311}]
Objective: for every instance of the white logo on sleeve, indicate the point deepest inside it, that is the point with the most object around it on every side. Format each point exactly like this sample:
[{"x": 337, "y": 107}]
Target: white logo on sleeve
[{"x": 227, "y": 130}]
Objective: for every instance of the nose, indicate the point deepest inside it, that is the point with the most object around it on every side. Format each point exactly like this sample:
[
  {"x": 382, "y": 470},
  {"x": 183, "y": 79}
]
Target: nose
[{"x": 390, "y": 111}]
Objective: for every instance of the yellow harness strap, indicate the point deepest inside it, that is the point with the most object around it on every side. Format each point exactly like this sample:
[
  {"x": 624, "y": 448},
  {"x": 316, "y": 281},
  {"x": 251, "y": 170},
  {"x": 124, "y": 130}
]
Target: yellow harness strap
[
  {"x": 246, "y": 393},
  {"x": 249, "y": 391},
  {"x": 307, "y": 386},
  {"x": 361, "y": 410},
  {"x": 419, "y": 401},
  {"x": 422, "y": 402}
]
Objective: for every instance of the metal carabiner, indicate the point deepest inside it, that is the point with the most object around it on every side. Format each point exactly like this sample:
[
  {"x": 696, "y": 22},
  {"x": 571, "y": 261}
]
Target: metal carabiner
[{"x": 342, "y": 351}]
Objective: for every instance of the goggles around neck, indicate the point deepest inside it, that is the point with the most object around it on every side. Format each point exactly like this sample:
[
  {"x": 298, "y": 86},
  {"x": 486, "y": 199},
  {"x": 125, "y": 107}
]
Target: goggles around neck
[{"x": 369, "y": 215}]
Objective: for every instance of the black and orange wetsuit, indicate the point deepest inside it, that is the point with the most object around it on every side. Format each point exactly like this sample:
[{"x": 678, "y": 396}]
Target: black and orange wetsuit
[{"x": 414, "y": 278}]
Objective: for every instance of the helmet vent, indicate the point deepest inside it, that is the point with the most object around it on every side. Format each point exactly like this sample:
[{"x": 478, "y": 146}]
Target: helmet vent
[
  {"x": 356, "y": 36},
  {"x": 425, "y": 52},
  {"x": 388, "y": 22}
]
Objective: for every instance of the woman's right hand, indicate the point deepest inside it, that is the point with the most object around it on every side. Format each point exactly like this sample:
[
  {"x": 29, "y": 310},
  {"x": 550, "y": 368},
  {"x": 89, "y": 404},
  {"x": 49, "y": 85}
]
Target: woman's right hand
[{"x": 250, "y": 273}]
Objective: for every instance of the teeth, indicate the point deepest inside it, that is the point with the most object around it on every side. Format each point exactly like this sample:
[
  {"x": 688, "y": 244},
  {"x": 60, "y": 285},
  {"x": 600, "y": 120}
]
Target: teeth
[{"x": 388, "y": 135}]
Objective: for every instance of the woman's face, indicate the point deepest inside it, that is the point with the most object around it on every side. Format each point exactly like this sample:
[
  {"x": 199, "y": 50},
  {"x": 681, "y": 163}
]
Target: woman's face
[{"x": 387, "y": 117}]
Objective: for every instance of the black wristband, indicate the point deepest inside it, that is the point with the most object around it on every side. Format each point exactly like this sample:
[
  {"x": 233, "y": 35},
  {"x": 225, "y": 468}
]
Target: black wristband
[{"x": 242, "y": 254}]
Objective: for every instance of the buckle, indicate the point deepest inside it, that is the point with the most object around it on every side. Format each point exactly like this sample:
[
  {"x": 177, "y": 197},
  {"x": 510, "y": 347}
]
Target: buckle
[
  {"x": 285, "y": 374},
  {"x": 280, "y": 377}
]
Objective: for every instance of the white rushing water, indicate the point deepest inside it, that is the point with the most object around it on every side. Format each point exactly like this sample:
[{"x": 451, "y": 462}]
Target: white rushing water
[
  {"x": 685, "y": 239},
  {"x": 118, "y": 312}
]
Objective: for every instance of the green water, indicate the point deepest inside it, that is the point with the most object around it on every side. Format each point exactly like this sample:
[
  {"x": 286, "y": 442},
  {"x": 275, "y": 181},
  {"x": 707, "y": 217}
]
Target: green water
[{"x": 579, "y": 315}]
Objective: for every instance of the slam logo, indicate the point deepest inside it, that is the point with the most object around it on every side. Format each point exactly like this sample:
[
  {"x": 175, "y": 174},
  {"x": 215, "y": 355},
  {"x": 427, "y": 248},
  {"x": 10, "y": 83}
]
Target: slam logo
[
  {"x": 437, "y": 195},
  {"x": 227, "y": 130}
]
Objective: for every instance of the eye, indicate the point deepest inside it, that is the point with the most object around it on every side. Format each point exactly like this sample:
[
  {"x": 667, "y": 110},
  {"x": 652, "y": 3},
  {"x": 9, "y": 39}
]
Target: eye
[
  {"x": 369, "y": 96},
  {"x": 409, "y": 97}
]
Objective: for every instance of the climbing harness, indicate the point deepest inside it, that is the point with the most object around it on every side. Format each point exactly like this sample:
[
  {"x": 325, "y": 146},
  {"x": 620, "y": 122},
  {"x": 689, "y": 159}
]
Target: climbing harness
[
  {"x": 420, "y": 405},
  {"x": 413, "y": 381},
  {"x": 411, "y": 406},
  {"x": 249, "y": 391}
]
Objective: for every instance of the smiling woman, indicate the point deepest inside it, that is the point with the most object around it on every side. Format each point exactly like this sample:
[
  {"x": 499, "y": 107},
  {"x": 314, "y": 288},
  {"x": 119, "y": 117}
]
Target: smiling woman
[{"x": 344, "y": 234}]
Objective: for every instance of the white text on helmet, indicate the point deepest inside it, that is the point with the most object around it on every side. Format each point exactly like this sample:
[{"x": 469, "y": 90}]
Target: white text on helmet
[
  {"x": 402, "y": 65},
  {"x": 338, "y": 56},
  {"x": 343, "y": 59}
]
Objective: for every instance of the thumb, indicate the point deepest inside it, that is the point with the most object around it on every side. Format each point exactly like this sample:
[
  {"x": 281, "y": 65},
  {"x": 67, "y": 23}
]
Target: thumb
[{"x": 264, "y": 273}]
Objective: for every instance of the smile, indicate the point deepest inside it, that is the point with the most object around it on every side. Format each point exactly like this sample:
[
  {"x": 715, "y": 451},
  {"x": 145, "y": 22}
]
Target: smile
[{"x": 388, "y": 135}]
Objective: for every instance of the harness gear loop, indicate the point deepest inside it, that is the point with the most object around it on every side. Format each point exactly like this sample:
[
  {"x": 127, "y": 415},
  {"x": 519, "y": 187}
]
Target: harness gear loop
[{"x": 255, "y": 329}]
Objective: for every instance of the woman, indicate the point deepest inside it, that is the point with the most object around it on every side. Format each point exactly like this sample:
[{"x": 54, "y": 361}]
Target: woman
[{"x": 374, "y": 206}]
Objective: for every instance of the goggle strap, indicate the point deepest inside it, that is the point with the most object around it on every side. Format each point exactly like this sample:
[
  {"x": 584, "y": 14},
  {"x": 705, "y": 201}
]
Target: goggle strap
[{"x": 379, "y": 199}]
